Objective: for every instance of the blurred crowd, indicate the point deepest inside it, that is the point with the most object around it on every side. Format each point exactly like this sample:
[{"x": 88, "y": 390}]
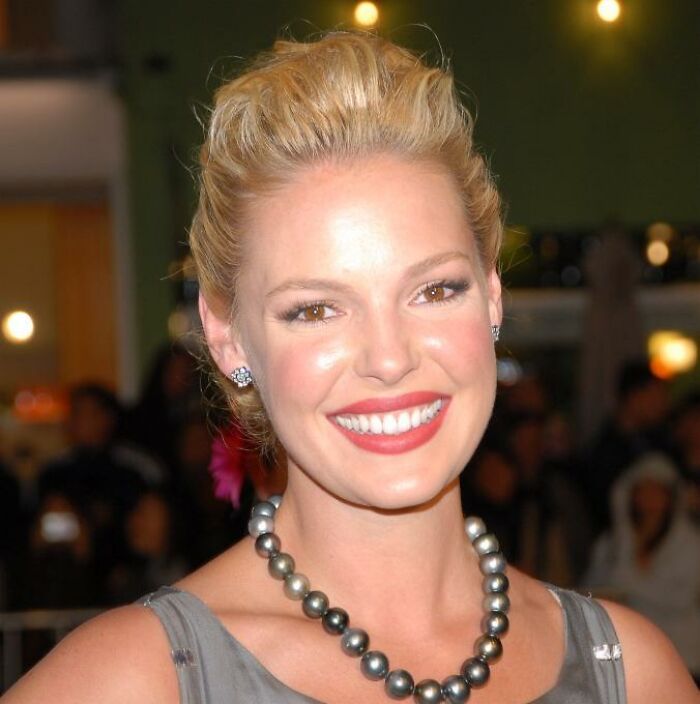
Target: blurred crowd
[
  {"x": 130, "y": 505},
  {"x": 619, "y": 518}
]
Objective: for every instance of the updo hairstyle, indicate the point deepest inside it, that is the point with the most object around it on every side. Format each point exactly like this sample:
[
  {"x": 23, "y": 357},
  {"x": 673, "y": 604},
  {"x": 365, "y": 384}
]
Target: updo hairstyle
[{"x": 345, "y": 96}]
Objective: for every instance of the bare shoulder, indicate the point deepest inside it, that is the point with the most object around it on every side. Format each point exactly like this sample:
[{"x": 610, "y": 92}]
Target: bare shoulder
[
  {"x": 654, "y": 671},
  {"x": 120, "y": 656}
]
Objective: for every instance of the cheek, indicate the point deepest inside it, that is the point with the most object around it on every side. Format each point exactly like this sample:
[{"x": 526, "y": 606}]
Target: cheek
[
  {"x": 299, "y": 374},
  {"x": 465, "y": 349}
]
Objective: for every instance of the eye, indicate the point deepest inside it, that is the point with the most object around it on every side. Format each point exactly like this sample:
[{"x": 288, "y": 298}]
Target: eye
[
  {"x": 440, "y": 291},
  {"x": 318, "y": 312},
  {"x": 315, "y": 313},
  {"x": 436, "y": 292}
]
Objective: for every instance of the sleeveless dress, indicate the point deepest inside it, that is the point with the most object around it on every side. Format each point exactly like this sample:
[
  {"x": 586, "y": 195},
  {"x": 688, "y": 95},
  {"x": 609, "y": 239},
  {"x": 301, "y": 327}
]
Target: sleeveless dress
[{"x": 214, "y": 668}]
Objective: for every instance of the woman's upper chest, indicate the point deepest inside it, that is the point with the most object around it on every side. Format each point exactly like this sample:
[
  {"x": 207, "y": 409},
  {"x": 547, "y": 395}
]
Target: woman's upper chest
[{"x": 312, "y": 664}]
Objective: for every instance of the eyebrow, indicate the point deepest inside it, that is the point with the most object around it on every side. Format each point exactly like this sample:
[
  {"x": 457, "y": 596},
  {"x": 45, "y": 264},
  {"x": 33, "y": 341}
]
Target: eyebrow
[
  {"x": 431, "y": 262},
  {"x": 329, "y": 284}
]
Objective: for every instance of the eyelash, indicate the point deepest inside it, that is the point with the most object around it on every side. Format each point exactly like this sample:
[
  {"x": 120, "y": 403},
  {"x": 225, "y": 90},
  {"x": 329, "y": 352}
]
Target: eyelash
[
  {"x": 292, "y": 315},
  {"x": 456, "y": 287}
]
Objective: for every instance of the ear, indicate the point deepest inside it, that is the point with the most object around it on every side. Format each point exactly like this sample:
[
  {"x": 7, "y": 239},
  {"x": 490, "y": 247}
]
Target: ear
[
  {"x": 222, "y": 338},
  {"x": 493, "y": 286}
]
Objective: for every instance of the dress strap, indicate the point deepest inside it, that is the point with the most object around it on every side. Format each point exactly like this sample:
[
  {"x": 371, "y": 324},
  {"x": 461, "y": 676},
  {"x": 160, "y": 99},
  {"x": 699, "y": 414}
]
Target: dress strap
[
  {"x": 601, "y": 646},
  {"x": 184, "y": 646},
  {"x": 212, "y": 666}
]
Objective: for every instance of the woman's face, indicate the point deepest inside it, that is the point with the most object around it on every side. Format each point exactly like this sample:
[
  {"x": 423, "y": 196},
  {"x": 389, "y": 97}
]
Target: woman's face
[{"x": 366, "y": 320}]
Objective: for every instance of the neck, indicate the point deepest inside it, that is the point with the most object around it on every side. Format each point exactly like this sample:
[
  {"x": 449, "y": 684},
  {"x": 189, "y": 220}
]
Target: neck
[{"x": 378, "y": 564}]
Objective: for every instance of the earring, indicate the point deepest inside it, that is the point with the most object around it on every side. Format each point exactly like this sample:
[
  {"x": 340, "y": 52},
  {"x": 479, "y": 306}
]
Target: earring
[
  {"x": 496, "y": 332},
  {"x": 241, "y": 377}
]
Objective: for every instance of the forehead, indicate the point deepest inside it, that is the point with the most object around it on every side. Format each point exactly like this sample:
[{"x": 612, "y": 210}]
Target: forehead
[{"x": 364, "y": 215}]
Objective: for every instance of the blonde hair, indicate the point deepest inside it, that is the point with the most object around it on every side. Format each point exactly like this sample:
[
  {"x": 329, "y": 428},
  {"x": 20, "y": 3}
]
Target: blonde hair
[{"x": 344, "y": 96}]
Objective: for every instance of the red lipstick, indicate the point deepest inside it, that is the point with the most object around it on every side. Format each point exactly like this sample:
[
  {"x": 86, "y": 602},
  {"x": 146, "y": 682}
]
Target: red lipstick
[
  {"x": 402, "y": 442},
  {"x": 386, "y": 405}
]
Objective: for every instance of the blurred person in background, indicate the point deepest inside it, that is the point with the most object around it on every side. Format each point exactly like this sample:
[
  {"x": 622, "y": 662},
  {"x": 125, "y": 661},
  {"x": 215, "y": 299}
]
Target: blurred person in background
[
  {"x": 171, "y": 395},
  {"x": 59, "y": 570},
  {"x": 637, "y": 426},
  {"x": 685, "y": 437},
  {"x": 490, "y": 489},
  {"x": 554, "y": 533},
  {"x": 527, "y": 396},
  {"x": 101, "y": 476},
  {"x": 219, "y": 522},
  {"x": 650, "y": 557},
  {"x": 153, "y": 549}
]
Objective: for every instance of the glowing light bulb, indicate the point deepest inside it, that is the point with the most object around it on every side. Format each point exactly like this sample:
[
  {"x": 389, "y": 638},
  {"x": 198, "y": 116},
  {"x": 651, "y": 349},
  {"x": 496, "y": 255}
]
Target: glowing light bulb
[
  {"x": 680, "y": 354},
  {"x": 657, "y": 253},
  {"x": 366, "y": 14},
  {"x": 671, "y": 353},
  {"x": 18, "y": 327},
  {"x": 608, "y": 10}
]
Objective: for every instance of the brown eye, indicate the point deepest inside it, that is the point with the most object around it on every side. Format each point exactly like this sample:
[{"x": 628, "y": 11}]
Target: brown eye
[
  {"x": 435, "y": 293},
  {"x": 313, "y": 314}
]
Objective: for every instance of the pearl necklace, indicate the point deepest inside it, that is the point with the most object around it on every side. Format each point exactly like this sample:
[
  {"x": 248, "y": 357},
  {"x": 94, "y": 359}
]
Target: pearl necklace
[{"x": 374, "y": 664}]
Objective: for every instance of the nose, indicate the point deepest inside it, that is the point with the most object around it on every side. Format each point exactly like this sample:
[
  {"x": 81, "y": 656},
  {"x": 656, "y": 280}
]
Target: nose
[{"x": 387, "y": 350}]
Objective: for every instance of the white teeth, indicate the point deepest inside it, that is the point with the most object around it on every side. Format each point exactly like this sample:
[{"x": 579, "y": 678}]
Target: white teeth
[
  {"x": 390, "y": 423},
  {"x": 390, "y": 426}
]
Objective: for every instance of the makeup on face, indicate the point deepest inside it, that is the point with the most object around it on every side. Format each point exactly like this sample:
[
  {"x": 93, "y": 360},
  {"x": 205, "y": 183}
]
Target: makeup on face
[
  {"x": 367, "y": 324},
  {"x": 392, "y": 425}
]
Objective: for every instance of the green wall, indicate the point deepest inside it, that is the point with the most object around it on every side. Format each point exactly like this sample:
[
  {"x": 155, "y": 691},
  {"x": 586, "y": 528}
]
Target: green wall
[{"x": 583, "y": 122}]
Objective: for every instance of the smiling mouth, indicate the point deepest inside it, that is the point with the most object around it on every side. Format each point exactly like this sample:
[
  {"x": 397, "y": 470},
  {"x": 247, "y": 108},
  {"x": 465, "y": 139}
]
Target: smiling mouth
[{"x": 394, "y": 423}]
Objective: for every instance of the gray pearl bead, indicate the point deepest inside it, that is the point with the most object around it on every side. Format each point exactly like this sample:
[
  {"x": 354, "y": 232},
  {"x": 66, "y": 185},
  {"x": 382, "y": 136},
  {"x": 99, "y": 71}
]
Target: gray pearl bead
[
  {"x": 497, "y": 582},
  {"x": 497, "y": 602},
  {"x": 476, "y": 671},
  {"x": 455, "y": 689},
  {"x": 275, "y": 500},
  {"x": 486, "y": 544},
  {"x": 280, "y": 565},
  {"x": 315, "y": 604},
  {"x": 488, "y": 648},
  {"x": 335, "y": 621},
  {"x": 399, "y": 684},
  {"x": 495, "y": 623},
  {"x": 374, "y": 665},
  {"x": 267, "y": 544},
  {"x": 492, "y": 563},
  {"x": 260, "y": 524},
  {"x": 296, "y": 586},
  {"x": 474, "y": 527},
  {"x": 428, "y": 692},
  {"x": 264, "y": 508},
  {"x": 354, "y": 642}
]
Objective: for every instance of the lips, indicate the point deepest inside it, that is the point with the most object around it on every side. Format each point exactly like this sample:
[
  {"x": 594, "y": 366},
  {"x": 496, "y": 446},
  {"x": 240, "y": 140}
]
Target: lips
[{"x": 392, "y": 425}]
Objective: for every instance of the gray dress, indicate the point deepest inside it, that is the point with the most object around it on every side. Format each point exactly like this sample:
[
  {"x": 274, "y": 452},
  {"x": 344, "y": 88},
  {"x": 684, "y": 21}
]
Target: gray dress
[{"x": 214, "y": 668}]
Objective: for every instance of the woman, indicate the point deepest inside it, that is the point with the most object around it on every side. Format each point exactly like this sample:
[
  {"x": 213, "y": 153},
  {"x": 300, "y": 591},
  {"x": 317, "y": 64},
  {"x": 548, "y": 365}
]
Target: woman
[
  {"x": 644, "y": 557},
  {"x": 346, "y": 241}
]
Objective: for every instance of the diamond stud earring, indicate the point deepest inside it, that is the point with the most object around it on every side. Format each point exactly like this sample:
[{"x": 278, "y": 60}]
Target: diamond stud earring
[{"x": 241, "y": 377}]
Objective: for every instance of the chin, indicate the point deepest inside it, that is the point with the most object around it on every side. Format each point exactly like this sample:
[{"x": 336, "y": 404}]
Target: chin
[{"x": 400, "y": 494}]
